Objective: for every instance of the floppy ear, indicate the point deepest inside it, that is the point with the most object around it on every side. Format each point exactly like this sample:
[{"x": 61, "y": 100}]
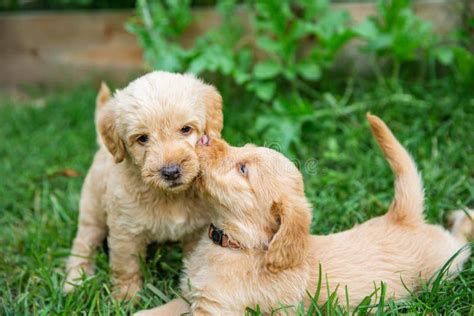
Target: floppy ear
[
  {"x": 288, "y": 247},
  {"x": 214, "y": 116},
  {"x": 109, "y": 134}
]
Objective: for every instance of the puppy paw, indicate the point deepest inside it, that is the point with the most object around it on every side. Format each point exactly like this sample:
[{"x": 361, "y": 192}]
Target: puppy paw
[
  {"x": 127, "y": 292},
  {"x": 75, "y": 277},
  {"x": 69, "y": 287}
]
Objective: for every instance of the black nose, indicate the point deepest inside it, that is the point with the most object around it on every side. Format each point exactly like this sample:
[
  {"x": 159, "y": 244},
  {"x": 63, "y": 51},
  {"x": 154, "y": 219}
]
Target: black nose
[{"x": 171, "y": 172}]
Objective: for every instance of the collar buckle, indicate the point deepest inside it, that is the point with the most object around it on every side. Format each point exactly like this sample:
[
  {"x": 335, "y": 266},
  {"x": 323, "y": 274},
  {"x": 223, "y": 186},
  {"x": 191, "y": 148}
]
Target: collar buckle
[{"x": 218, "y": 237}]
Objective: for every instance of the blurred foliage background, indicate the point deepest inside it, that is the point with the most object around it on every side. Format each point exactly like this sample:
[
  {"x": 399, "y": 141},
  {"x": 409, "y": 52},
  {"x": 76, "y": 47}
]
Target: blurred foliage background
[{"x": 292, "y": 52}]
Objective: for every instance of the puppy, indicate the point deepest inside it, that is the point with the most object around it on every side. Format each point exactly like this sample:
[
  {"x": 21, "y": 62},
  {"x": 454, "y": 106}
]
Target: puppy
[
  {"x": 259, "y": 250},
  {"x": 138, "y": 189}
]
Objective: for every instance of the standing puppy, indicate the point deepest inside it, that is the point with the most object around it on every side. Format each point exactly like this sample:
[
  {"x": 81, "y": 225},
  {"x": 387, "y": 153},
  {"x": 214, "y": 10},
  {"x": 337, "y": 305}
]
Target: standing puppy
[{"x": 138, "y": 189}]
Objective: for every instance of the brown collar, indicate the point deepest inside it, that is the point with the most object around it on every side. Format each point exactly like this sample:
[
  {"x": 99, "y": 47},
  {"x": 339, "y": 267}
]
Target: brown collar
[{"x": 218, "y": 237}]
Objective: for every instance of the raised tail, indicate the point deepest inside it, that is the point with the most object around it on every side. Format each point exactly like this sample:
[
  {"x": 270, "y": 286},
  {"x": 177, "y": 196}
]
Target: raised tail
[{"x": 407, "y": 204}]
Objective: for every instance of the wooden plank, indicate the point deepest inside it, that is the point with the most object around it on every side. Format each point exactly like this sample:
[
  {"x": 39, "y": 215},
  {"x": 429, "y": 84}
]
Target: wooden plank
[{"x": 66, "y": 47}]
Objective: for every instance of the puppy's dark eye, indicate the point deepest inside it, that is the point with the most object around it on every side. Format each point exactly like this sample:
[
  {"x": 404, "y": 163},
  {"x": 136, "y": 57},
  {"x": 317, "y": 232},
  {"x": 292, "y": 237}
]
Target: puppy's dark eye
[
  {"x": 186, "y": 130},
  {"x": 243, "y": 169},
  {"x": 142, "y": 139}
]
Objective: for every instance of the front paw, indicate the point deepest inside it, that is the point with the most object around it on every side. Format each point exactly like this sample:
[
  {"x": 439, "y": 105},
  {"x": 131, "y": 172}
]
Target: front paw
[
  {"x": 75, "y": 276},
  {"x": 127, "y": 291}
]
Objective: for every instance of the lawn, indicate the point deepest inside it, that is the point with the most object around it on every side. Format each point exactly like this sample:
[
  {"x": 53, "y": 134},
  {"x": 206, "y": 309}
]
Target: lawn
[{"x": 46, "y": 149}]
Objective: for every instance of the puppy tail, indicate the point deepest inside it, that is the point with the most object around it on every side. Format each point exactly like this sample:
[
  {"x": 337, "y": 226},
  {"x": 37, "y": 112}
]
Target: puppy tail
[
  {"x": 407, "y": 205},
  {"x": 100, "y": 101}
]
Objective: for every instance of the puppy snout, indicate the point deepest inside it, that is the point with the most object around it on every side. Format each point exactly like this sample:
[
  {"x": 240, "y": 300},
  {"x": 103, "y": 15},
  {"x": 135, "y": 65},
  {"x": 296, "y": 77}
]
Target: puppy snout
[{"x": 171, "y": 172}]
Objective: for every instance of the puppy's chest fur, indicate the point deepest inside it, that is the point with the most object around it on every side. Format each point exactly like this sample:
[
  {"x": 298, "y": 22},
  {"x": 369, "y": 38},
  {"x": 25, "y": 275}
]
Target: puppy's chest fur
[
  {"x": 141, "y": 210},
  {"x": 164, "y": 220}
]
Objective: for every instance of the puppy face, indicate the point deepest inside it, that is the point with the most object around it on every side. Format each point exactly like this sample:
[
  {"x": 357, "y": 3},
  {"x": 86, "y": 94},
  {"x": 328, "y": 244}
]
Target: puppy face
[
  {"x": 246, "y": 181},
  {"x": 260, "y": 189},
  {"x": 155, "y": 123}
]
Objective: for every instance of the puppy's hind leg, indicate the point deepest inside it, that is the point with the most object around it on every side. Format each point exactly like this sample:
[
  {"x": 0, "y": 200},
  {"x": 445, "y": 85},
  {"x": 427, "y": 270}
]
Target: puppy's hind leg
[
  {"x": 461, "y": 228},
  {"x": 91, "y": 232},
  {"x": 461, "y": 225}
]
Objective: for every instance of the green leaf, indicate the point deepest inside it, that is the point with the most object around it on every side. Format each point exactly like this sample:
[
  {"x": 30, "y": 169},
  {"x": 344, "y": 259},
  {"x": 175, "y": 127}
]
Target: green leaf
[
  {"x": 265, "y": 90},
  {"x": 309, "y": 71},
  {"x": 241, "y": 77},
  {"x": 381, "y": 42},
  {"x": 267, "y": 44},
  {"x": 445, "y": 55},
  {"x": 367, "y": 30},
  {"x": 198, "y": 65},
  {"x": 266, "y": 69}
]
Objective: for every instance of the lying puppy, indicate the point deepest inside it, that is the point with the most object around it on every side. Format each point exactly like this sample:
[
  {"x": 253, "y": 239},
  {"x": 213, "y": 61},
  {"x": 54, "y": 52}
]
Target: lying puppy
[
  {"x": 138, "y": 189},
  {"x": 260, "y": 250}
]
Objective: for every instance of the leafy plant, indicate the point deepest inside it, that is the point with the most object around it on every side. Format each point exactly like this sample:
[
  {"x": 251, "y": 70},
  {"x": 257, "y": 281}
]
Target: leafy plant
[
  {"x": 298, "y": 40},
  {"x": 456, "y": 52},
  {"x": 295, "y": 43},
  {"x": 160, "y": 24},
  {"x": 158, "y": 27},
  {"x": 223, "y": 50},
  {"x": 396, "y": 34},
  {"x": 282, "y": 123},
  {"x": 279, "y": 53},
  {"x": 459, "y": 59}
]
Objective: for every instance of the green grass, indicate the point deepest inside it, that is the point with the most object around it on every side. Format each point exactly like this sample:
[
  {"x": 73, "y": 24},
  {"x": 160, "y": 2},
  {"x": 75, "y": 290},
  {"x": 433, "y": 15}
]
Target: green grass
[{"x": 348, "y": 183}]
